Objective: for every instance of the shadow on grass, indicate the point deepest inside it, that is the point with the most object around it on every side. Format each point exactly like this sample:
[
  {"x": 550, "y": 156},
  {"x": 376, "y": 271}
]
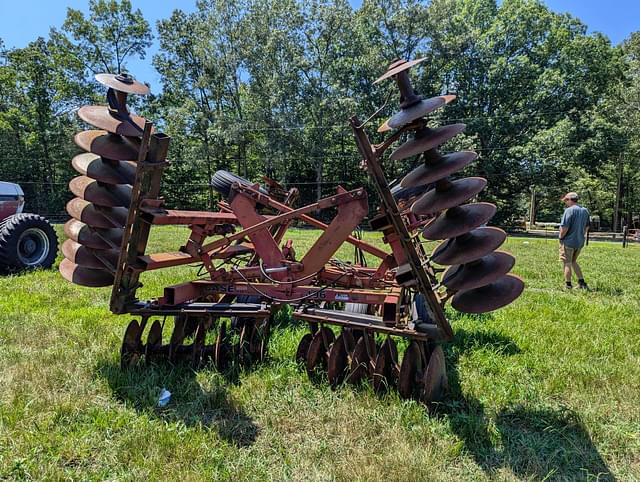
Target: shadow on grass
[
  {"x": 606, "y": 290},
  {"x": 534, "y": 443},
  {"x": 191, "y": 403}
]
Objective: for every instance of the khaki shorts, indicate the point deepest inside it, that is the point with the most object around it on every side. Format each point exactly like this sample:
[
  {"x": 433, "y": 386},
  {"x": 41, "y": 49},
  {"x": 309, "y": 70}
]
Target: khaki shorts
[{"x": 569, "y": 255}]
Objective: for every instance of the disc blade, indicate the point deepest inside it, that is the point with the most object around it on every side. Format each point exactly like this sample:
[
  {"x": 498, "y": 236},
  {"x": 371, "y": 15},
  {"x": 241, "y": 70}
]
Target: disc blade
[
  {"x": 430, "y": 139},
  {"x": 95, "y": 216},
  {"x": 89, "y": 258},
  {"x": 386, "y": 366},
  {"x": 130, "y": 344},
  {"x": 154, "y": 342},
  {"x": 222, "y": 352},
  {"x": 339, "y": 358},
  {"x": 384, "y": 127},
  {"x": 489, "y": 297},
  {"x": 111, "y": 146},
  {"x": 108, "y": 171},
  {"x": 454, "y": 194},
  {"x": 416, "y": 111},
  {"x": 435, "y": 382},
  {"x": 92, "y": 278},
  {"x": 102, "y": 117},
  {"x": 360, "y": 366},
  {"x": 107, "y": 195},
  {"x": 468, "y": 247},
  {"x": 397, "y": 67},
  {"x": 319, "y": 349},
  {"x": 431, "y": 172},
  {"x": 124, "y": 84},
  {"x": 459, "y": 220},
  {"x": 95, "y": 238},
  {"x": 489, "y": 268},
  {"x": 409, "y": 370},
  {"x": 303, "y": 348}
]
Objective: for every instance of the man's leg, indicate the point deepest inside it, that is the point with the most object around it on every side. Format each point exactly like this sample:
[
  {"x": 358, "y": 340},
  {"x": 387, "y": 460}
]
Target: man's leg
[
  {"x": 578, "y": 270},
  {"x": 566, "y": 258},
  {"x": 567, "y": 273}
]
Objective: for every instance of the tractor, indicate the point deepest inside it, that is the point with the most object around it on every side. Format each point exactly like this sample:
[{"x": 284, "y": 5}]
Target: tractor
[{"x": 27, "y": 241}]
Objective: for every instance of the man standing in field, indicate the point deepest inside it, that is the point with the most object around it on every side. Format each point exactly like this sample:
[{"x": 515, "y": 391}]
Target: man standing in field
[{"x": 573, "y": 229}]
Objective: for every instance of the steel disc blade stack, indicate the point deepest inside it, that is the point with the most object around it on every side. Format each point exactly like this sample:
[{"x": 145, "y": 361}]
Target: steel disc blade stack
[
  {"x": 477, "y": 278},
  {"x": 107, "y": 169}
]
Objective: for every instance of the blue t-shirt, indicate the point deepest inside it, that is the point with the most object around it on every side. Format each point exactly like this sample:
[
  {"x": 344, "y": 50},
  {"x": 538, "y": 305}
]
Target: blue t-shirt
[{"x": 576, "y": 220}]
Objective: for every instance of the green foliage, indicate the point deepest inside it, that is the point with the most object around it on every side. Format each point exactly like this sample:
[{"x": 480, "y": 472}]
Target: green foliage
[
  {"x": 35, "y": 121},
  {"x": 43, "y": 84},
  {"x": 265, "y": 87},
  {"x": 102, "y": 41}
]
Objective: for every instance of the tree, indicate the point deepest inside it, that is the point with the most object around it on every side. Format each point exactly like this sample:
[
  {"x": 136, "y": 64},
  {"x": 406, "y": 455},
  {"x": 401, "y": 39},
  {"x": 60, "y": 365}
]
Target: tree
[
  {"x": 530, "y": 83},
  {"x": 103, "y": 41},
  {"x": 37, "y": 122},
  {"x": 200, "y": 67}
]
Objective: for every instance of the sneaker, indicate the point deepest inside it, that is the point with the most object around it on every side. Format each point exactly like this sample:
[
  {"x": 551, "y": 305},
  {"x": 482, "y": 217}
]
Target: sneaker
[
  {"x": 568, "y": 286},
  {"x": 583, "y": 286}
]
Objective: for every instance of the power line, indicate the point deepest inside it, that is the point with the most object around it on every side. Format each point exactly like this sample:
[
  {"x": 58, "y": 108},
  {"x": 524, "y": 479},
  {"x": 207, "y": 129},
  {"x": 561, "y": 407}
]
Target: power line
[{"x": 244, "y": 128}]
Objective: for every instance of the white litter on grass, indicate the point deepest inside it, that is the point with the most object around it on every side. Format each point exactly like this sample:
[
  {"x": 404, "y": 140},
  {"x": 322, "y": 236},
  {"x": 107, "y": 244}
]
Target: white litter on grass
[
  {"x": 525, "y": 242},
  {"x": 164, "y": 398}
]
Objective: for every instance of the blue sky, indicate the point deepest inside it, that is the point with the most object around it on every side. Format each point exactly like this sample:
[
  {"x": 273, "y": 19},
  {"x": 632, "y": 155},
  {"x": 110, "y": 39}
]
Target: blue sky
[{"x": 21, "y": 21}]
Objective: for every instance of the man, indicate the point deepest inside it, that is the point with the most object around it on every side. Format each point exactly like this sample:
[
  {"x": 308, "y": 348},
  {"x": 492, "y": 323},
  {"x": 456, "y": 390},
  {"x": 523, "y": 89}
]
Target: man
[{"x": 573, "y": 229}]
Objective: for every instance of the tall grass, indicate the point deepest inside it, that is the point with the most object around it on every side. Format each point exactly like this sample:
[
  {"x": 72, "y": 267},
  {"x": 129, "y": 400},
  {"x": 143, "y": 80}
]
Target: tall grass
[{"x": 548, "y": 388}]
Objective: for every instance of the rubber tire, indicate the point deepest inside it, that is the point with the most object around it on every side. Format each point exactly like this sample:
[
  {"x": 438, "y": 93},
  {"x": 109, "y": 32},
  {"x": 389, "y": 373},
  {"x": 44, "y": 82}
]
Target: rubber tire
[
  {"x": 10, "y": 230},
  {"x": 222, "y": 180},
  {"x": 402, "y": 193},
  {"x": 420, "y": 310}
]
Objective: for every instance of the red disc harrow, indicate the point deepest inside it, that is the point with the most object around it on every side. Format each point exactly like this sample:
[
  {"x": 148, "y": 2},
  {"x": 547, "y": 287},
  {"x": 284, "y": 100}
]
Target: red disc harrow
[{"x": 355, "y": 313}]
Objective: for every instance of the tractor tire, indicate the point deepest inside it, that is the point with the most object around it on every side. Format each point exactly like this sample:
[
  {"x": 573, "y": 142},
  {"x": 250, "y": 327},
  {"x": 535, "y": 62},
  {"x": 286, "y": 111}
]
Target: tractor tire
[
  {"x": 420, "y": 311},
  {"x": 403, "y": 193},
  {"x": 27, "y": 241},
  {"x": 221, "y": 181}
]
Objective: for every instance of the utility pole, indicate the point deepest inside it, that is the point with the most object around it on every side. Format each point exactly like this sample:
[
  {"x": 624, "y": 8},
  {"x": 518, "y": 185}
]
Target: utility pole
[
  {"x": 616, "y": 210},
  {"x": 532, "y": 208}
]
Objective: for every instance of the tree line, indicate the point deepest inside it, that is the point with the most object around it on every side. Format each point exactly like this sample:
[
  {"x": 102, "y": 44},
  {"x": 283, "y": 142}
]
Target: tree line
[{"x": 265, "y": 87}]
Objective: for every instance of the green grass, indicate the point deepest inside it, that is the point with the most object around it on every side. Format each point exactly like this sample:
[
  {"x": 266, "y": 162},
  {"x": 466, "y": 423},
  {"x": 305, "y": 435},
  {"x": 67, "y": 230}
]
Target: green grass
[{"x": 548, "y": 388}]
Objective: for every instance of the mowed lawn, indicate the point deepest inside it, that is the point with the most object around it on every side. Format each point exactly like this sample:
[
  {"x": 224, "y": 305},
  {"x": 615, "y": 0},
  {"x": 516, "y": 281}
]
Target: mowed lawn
[{"x": 548, "y": 388}]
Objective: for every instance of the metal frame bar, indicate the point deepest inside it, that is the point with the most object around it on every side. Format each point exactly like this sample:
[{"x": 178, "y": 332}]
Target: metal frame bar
[{"x": 372, "y": 156}]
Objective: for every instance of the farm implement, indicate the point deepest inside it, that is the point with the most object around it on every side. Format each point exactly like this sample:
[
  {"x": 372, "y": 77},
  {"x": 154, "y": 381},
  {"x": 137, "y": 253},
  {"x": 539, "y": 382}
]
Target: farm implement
[{"x": 249, "y": 269}]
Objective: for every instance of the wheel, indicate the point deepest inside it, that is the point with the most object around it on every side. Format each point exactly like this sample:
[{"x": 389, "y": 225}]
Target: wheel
[
  {"x": 403, "y": 193},
  {"x": 27, "y": 241},
  {"x": 420, "y": 310},
  {"x": 222, "y": 180}
]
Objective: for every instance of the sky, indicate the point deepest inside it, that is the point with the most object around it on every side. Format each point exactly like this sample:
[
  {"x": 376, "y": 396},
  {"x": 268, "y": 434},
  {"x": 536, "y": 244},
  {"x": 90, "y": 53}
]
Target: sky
[{"x": 22, "y": 21}]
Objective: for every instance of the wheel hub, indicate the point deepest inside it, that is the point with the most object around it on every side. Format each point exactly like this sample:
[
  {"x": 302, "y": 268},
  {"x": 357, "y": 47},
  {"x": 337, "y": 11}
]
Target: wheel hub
[{"x": 33, "y": 246}]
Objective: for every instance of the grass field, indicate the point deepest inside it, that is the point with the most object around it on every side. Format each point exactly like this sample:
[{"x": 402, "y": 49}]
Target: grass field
[{"x": 546, "y": 389}]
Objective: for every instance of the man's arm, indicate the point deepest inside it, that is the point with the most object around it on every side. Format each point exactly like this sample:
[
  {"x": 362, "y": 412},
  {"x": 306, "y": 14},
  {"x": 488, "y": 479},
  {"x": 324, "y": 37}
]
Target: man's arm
[
  {"x": 563, "y": 231},
  {"x": 588, "y": 224},
  {"x": 564, "y": 225}
]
